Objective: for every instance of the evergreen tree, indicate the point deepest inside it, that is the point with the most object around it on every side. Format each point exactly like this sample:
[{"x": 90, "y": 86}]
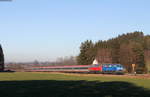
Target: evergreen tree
[
  {"x": 86, "y": 55},
  {"x": 1, "y": 59}
]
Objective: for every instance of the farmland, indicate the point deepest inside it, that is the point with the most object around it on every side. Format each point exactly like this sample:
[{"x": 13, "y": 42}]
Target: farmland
[{"x": 30, "y": 84}]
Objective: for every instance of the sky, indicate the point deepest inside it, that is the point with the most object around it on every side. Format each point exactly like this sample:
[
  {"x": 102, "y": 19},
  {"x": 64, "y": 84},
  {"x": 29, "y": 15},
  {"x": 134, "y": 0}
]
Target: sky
[{"x": 47, "y": 29}]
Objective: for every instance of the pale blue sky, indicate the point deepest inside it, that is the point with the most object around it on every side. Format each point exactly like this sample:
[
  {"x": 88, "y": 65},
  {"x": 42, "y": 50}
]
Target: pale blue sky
[{"x": 47, "y": 29}]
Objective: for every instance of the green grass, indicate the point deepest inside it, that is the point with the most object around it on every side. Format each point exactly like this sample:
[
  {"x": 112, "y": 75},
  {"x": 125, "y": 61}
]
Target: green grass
[{"x": 28, "y": 84}]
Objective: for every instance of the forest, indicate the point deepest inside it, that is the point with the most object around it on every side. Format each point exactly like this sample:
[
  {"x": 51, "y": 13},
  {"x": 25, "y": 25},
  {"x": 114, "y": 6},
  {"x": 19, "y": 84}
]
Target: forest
[{"x": 126, "y": 49}]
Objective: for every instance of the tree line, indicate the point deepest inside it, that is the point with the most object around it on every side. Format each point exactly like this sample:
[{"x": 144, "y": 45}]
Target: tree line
[{"x": 126, "y": 49}]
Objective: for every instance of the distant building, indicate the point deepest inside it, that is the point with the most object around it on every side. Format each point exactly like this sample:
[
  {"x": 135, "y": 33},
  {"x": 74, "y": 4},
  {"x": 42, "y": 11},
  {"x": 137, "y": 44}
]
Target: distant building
[
  {"x": 1, "y": 59},
  {"x": 95, "y": 62}
]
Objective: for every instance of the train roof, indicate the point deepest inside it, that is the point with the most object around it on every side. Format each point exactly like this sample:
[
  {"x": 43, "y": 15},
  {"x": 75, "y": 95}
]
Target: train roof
[{"x": 61, "y": 66}]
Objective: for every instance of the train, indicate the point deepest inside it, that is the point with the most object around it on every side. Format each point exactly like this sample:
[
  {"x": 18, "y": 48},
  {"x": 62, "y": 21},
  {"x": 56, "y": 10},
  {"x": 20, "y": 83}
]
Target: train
[
  {"x": 107, "y": 68},
  {"x": 95, "y": 68},
  {"x": 60, "y": 68}
]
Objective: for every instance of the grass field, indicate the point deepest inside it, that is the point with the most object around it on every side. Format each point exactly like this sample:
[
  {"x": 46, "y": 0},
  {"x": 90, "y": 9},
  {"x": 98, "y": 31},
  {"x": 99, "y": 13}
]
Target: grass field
[{"x": 29, "y": 84}]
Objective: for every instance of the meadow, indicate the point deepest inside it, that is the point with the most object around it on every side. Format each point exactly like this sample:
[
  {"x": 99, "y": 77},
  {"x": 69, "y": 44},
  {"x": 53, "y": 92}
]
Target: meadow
[{"x": 37, "y": 84}]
